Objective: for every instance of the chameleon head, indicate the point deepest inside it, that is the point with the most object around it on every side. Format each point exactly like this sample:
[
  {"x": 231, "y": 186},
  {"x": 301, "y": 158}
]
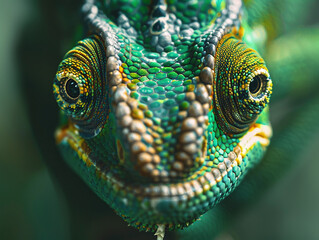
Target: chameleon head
[{"x": 163, "y": 139}]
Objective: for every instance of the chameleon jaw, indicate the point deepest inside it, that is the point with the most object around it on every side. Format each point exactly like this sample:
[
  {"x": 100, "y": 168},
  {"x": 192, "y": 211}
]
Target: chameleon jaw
[{"x": 171, "y": 204}]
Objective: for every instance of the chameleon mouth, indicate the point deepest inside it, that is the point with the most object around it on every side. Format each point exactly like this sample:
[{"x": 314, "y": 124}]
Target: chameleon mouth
[{"x": 174, "y": 204}]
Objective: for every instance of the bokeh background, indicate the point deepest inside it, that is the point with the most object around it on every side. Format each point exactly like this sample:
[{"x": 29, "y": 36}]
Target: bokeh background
[{"x": 32, "y": 203}]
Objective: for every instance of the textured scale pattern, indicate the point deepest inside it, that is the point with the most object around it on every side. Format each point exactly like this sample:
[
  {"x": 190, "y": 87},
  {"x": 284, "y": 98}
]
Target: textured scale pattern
[{"x": 165, "y": 125}]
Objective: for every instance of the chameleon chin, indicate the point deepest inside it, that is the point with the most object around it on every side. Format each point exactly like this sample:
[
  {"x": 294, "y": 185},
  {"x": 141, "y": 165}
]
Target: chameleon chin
[{"x": 163, "y": 115}]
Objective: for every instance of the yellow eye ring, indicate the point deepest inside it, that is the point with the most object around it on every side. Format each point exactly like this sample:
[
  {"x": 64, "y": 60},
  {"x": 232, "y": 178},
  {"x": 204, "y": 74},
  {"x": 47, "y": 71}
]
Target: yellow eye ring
[{"x": 258, "y": 84}]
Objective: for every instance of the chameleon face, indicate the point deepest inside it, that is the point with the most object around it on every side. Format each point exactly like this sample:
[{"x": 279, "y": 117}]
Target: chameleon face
[{"x": 165, "y": 107}]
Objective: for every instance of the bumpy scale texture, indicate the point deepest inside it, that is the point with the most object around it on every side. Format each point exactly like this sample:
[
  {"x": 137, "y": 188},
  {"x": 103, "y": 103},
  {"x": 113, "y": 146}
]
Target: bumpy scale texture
[{"x": 165, "y": 107}]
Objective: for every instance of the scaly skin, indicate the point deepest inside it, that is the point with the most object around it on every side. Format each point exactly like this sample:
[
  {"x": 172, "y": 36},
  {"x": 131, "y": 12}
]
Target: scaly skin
[{"x": 163, "y": 114}]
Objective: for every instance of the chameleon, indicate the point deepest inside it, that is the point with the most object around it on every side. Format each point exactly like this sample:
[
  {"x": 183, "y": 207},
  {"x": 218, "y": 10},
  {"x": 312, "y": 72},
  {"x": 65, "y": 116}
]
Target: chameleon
[
  {"x": 163, "y": 114},
  {"x": 164, "y": 107}
]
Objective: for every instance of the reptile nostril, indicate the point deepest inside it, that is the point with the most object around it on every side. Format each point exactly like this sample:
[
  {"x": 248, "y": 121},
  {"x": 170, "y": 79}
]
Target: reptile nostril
[{"x": 120, "y": 151}]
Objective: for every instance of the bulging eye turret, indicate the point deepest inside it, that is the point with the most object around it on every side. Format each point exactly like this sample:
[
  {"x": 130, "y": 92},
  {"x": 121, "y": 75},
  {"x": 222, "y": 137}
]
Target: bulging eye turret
[
  {"x": 73, "y": 88},
  {"x": 243, "y": 85},
  {"x": 80, "y": 86}
]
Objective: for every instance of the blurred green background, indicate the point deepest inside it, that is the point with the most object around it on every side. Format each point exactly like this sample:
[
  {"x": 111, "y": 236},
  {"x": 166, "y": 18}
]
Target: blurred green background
[{"x": 32, "y": 205}]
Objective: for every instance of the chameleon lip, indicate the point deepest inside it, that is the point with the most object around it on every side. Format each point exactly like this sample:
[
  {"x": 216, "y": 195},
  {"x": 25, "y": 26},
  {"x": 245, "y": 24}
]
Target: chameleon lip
[
  {"x": 173, "y": 191},
  {"x": 66, "y": 131},
  {"x": 256, "y": 133}
]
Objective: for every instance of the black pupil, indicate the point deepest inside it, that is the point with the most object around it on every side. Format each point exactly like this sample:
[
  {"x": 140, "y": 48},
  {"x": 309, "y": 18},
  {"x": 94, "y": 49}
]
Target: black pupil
[
  {"x": 72, "y": 88},
  {"x": 255, "y": 84}
]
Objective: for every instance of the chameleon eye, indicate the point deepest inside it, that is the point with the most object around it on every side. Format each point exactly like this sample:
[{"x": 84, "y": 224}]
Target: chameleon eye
[
  {"x": 242, "y": 88},
  {"x": 257, "y": 86},
  {"x": 72, "y": 89},
  {"x": 69, "y": 90},
  {"x": 80, "y": 86}
]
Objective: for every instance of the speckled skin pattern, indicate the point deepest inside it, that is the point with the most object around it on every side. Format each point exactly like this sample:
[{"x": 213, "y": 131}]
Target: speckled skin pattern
[{"x": 164, "y": 107}]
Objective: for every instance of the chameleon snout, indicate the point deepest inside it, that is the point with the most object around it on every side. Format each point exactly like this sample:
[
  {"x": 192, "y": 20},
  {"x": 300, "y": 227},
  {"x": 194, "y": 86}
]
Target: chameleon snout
[{"x": 148, "y": 149}]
